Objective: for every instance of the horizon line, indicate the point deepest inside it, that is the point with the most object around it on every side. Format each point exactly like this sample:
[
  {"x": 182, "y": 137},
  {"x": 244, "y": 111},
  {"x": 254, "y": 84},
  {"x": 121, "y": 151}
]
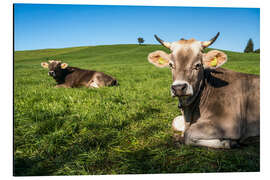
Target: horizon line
[{"x": 106, "y": 45}]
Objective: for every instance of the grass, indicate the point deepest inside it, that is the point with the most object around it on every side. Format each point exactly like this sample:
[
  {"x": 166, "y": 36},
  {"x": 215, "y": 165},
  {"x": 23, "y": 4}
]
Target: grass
[{"x": 112, "y": 130}]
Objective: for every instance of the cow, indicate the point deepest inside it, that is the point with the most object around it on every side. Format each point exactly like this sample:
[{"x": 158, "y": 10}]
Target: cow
[
  {"x": 70, "y": 77},
  {"x": 220, "y": 107}
]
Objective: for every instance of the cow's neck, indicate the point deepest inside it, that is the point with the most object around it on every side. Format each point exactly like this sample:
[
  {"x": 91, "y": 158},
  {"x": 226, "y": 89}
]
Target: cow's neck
[
  {"x": 64, "y": 73},
  {"x": 68, "y": 71},
  {"x": 192, "y": 112}
]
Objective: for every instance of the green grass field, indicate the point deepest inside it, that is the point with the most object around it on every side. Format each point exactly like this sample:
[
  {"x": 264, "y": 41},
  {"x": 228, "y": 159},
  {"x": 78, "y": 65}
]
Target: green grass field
[{"x": 112, "y": 130}]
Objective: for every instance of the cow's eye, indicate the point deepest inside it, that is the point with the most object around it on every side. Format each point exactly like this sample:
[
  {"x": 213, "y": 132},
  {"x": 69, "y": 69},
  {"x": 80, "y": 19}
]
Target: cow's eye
[
  {"x": 198, "y": 66},
  {"x": 171, "y": 65}
]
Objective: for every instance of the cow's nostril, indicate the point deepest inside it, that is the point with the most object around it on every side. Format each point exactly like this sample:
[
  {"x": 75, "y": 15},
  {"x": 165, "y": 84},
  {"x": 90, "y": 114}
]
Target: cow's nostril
[
  {"x": 184, "y": 87},
  {"x": 173, "y": 88},
  {"x": 179, "y": 88},
  {"x": 51, "y": 73}
]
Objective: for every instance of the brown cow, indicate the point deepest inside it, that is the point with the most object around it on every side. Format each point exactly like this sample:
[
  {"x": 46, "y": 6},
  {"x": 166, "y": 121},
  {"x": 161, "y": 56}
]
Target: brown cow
[
  {"x": 220, "y": 107},
  {"x": 70, "y": 77}
]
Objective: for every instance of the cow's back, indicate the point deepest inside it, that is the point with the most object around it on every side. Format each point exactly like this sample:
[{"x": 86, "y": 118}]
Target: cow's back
[
  {"x": 79, "y": 77},
  {"x": 82, "y": 77}
]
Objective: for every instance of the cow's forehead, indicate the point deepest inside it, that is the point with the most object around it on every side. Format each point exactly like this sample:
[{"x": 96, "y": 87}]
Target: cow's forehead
[
  {"x": 184, "y": 41},
  {"x": 184, "y": 47},
  {"x": 53, "y": 65}
]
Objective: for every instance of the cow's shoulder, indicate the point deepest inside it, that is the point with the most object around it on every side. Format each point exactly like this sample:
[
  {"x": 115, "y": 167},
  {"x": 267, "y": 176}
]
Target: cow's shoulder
[
  {"x": 77, "y": 71},
  {"x": 222, "y": 77},
  {"x": 233, "y": 74}
]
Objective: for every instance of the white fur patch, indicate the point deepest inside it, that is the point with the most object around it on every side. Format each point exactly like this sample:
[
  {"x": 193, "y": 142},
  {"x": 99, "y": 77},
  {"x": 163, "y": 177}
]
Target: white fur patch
[
  {"x": 94, "y": 84},
  {"x": 172, "y": 94},
  {"x": 175, "y": 47},
  {"x": 195, "y": 47},
  {"x": 179, "y": 124}
]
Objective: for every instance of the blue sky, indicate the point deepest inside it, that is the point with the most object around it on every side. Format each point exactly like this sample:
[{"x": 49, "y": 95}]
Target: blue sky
[{"x": 40, "y": 26}]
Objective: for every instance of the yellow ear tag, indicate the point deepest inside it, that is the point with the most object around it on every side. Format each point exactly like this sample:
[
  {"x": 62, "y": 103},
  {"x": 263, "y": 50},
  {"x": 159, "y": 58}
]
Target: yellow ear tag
[
  {"x": 64, "y": 66},
  {"x": 213, "y": 63},
  {"x": 161, "y": 60}
]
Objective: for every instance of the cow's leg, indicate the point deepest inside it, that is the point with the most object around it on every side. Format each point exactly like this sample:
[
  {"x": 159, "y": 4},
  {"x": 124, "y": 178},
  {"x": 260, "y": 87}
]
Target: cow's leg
[
  {"x": 205, "y": 134},
  {"x": 179, "y": 125},
  {"x": 213, "y": 143},
  {"x": 61, "y": 85},
  {"x": 92, "y": 84}
]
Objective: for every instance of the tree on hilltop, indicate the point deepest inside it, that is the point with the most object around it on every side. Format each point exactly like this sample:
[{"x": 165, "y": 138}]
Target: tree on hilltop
[
  {"x": 140, "y": 40},
  {"x": 249, "y": 47}
]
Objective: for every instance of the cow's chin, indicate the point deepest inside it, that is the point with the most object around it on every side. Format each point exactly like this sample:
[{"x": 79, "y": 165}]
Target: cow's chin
[{"x": 185, "y": 100}]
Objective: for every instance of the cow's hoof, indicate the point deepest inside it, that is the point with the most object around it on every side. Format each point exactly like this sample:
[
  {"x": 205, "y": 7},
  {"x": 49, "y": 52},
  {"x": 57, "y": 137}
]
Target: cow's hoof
[
  {"x": 178, "y": 138},
  {"x": 61, "y": 86},
  {"x": 234, "y": 144},
  {"x": 225, "y": 144},
  {"x": 178, "y": 144}
]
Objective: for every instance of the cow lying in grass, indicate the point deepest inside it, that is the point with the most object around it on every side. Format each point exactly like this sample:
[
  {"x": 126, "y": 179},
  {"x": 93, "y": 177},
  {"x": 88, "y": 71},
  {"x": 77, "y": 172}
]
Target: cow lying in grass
[
  {"x": 220, "y": 107},
  {"x": 70, "y": 77}
]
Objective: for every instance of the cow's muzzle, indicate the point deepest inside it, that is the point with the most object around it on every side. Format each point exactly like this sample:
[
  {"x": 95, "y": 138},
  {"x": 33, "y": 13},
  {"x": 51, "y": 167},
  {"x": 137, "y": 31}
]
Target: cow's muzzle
[
  {"x": 179, "y": 89},
  {"x": 51, "y": 73}
]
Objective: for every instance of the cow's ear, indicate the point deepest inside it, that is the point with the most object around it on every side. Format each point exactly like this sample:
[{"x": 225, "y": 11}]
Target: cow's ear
[
  {"x": 64, "y": 65},
  {"x": 44, "y": 65},
  {"x": 214, "y": 59},
  {"x": 159, "y": 59}
]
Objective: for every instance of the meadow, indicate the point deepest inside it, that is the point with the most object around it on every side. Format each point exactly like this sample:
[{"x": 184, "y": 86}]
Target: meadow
[{"x": 112, "y": 130}]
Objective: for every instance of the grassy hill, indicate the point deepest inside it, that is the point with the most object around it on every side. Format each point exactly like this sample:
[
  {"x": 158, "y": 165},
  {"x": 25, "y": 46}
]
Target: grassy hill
[{"x": 112, "y": 130}]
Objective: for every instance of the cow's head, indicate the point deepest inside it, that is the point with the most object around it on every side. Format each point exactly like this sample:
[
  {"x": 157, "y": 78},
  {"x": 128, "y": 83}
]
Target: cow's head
[
  {"x": 187, "y": 63},
  {"x": 55, "y": 67}
]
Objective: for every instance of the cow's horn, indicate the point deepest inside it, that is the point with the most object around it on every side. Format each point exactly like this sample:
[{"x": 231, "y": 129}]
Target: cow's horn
[
  {"x": 208, "y": 43},
  {"x": 165, "y": 44}
]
